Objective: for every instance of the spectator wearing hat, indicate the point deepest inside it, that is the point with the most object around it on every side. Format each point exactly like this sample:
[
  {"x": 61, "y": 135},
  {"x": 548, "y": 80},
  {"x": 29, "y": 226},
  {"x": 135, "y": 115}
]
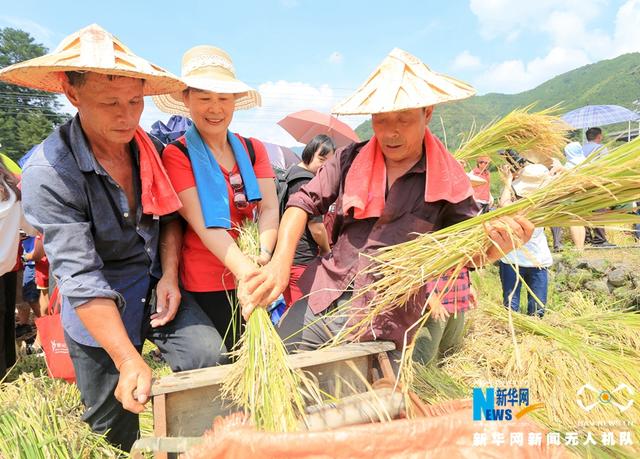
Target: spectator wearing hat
[
  {"x": 222, "y": 179},
  {"x": 96, "y": 189},
  {"x": 482, "y": 192}
]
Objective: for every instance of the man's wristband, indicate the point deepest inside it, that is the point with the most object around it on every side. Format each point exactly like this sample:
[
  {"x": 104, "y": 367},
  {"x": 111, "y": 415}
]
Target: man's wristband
[{"x": 263, "y": 250}]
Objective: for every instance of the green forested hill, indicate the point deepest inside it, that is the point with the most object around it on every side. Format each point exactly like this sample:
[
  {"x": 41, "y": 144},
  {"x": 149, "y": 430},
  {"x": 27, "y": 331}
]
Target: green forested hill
[{"x": 613, "y": 81}]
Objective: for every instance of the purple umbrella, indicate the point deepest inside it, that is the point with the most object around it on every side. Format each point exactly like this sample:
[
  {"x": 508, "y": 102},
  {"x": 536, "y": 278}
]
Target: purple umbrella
[
  {"x": 599, "y": 115},
  {"x": 281, "y": 157}
]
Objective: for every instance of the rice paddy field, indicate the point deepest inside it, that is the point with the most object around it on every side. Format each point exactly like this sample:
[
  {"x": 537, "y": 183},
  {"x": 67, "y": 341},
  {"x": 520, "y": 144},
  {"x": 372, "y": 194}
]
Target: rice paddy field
[{"x": 581, "y": 340}]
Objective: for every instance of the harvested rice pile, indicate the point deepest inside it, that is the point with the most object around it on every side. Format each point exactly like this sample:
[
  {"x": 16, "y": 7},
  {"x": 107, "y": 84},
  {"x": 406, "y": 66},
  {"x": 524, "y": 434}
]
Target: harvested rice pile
[
  {"x": 582, "y": 343},
  {"x": 260, "y": 380},
  {"x": 40, "y": 418}
]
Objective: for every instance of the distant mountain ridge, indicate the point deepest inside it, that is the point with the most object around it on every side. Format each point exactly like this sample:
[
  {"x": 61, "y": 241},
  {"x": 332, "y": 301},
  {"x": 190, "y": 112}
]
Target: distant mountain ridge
[{"x": 613, "y": 81}]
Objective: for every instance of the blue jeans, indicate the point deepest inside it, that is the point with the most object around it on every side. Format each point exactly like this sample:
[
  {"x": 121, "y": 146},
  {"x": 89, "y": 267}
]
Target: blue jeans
[
  {"x": 188, "y": 342},
  {"x": 636, "y": 226},
  {"x": 30, "y": 292},
  {"x": 536, "y": 278}
]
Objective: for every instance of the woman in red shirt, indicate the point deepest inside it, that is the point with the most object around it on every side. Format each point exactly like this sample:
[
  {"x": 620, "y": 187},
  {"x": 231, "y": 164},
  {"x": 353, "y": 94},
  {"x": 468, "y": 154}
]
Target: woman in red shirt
[{"x": 220, "y": 182}]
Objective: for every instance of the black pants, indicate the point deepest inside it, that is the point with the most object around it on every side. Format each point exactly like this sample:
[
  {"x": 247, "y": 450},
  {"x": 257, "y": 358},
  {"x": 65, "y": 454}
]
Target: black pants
[
  {"x": 221, "y": 309},
  {"x": 188, "y": 342},
  {"x": 595, "y": 236},
  {"x": 8, "y": 283},
  {"x": 302, "y": 330}
]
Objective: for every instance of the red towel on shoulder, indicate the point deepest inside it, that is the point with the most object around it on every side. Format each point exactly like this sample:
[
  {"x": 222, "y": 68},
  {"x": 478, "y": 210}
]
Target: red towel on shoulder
[
  {"x": 158, "y": 196},
  {"x": 366, "y": 181}
]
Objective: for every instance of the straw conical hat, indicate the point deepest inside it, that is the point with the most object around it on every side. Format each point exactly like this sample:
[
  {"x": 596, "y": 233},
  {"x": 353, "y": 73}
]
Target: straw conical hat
[
  {"x": 91, "y": 49},
  {"x": 402, "y": 82},
  {"x": 475, "y": 180},
  {"x": 210, "y": 69}
]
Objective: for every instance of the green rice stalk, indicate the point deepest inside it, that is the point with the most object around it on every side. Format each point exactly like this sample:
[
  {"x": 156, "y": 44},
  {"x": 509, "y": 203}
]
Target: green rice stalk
[
  {"x": 537, "y": 136},
  {"x": 434, "y": 386},
  {"x": 260, "y": 379},
  {"x": 40, "y": 418},
  {"x": 569, "y": 199}
]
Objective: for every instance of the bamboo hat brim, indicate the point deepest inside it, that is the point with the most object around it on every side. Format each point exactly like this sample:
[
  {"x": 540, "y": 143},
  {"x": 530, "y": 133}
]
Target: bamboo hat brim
[
  {"x": 91, "y": 49},
  {"x": 210, "y": 69},
  {"x": 402, "y": 82}
]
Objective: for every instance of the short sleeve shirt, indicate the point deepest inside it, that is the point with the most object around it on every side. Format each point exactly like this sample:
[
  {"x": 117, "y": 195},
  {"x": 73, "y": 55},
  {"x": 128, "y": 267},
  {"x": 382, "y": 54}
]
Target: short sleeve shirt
[{"x": 200, "y": 270}]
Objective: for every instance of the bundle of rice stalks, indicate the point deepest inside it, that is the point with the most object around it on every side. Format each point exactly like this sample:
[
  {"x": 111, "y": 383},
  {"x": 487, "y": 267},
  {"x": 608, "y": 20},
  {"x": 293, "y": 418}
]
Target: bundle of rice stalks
[
  {"x": 570, "y": 199},
  {"x": 40, "y": 418},
  {"x": 435, "y": 386},
  {"x": 553, "y": 358},
  {"x": 537, "y": 136},
  {"x": 261, "y": 380}
]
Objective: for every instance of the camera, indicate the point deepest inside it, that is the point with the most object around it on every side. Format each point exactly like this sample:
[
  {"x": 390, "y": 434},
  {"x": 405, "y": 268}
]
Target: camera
[{"x": 513, "y": 159}]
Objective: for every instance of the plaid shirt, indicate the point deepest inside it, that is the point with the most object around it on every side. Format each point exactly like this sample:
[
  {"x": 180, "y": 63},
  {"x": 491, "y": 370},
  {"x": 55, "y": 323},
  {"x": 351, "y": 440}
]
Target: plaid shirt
[{"x": 455, "y": 297}]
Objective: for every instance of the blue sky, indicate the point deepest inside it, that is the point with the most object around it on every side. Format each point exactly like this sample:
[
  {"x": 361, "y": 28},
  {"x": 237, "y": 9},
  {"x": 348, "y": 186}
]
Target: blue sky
[{"x": 310, "y": 54}]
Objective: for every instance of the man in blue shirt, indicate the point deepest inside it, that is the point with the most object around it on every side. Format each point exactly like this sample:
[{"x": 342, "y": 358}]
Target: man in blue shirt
[
  {"x": 594, "y": 142},
  {"x": 82, "y": 188},
  {"x": 595, "y": 236}
]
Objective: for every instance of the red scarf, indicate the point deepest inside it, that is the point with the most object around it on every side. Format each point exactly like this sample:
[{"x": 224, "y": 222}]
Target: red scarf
[
  {"x": 366, "y": 181},
  {"x": 158, "y": 195}
]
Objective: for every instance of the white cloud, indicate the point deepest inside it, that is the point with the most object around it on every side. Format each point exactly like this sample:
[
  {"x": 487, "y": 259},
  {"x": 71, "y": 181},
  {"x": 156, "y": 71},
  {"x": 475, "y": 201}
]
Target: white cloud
[
  {"x": 466, "y": 61},
  {"x": 281, "y": 98},
  {"x": 515, "y": 76},
  {"x": 509, "y": 18},
  {"x": 335, "y": 57},
  {"x": 627, "y": 32},
  {"x": 570, "y": 30},
  {"x": 574, "y": 31}
]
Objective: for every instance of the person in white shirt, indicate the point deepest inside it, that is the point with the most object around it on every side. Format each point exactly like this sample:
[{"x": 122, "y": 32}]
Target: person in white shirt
[
  {"x": 11, "y": 221},
  {"x": 530, "y": 262}
]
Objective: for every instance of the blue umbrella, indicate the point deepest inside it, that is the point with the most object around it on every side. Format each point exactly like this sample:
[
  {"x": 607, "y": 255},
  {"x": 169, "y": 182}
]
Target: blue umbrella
[{"x": 599, "y": 115}]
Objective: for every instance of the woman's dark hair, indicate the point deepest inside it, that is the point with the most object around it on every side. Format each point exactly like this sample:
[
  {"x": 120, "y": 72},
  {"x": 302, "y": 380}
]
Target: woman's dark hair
[
  {"x": 321, "y": 143},
  {"x": 8, "y": 181}
]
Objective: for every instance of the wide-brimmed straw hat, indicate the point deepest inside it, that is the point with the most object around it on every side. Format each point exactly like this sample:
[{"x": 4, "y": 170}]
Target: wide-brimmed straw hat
[
  {"x": 91, "y": 49},
  {"x": 402, "y": 82},
  {"x": 531, "y": 178},
  {"x": 210, "y": 69},
  {"x": 475, "y": 180}
]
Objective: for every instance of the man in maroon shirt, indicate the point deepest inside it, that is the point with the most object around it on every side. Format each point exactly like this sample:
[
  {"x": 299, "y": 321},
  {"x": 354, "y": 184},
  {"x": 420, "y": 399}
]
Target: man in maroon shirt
[{"x": 400, "y": 96}]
